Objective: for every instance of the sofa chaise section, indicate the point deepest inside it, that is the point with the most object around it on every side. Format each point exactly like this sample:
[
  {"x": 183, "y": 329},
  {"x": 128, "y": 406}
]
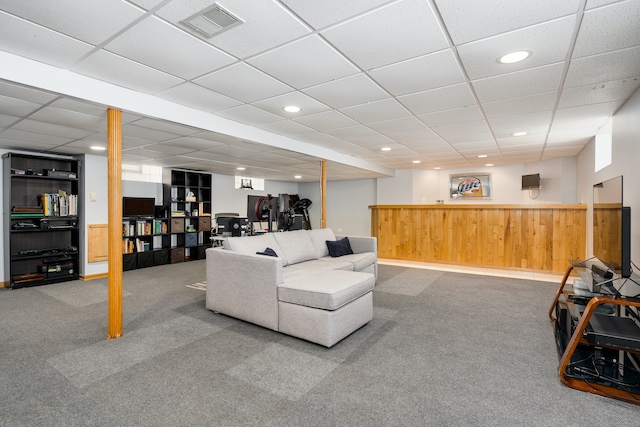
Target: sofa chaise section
[{"x": 302, "y": 291}]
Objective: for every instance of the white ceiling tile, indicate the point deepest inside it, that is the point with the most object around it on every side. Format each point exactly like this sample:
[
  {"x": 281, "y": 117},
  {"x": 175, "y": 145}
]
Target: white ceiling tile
[
  {"x": 169, "y": 149},
  {"x": 243, "y": 82},
  {"x": 36, "y": 137},
  {"x": 346, "y": 92},
  {"x": 598, "y": 93},
  {"x": 112, "y": 68},
  {"x": 132, "y": 142},
  {"x": 80, "y": 106},
  {"x": 250, "y": 115},
  {"x": 326, "y": 121},
  {"x": 194, "y": 143},
  {"x": 548, "y": 43},
  {"x": 328, "y": 12},
  {"x": 265, "y": 24},
  {"x": 605, "y": 67},
  {"x": 519, "y": 83},
  {"x": 91, "y": 21},
  {"x": 402, "y": 30},
  {"x": 352, "y": 132},
  {"x": 464, "y": 132},
  {"x": 520, "y": 105},
  {"x": 521, "y": 141},
  {"x": 376, "y": 142},
  {"x": 588, "y": 118},
  {"x": 7, "y": 120},
  {"x": 17, "y": 107},
  {"x": 168, "y": 49},
  {"x": 134, "y": 131},
  {"x": 398, "y": 125},
  {"x": 532, "y": 123},
  {"x": 44, "y": 128},
  {"x": 198, "y": 97},
  {"x": 376, "y": 111},
  {"x": 445, "y": 98},
  {"x": 426, "y": 72},
  {"x": 59, "y": 116},
  {"x": 33, "y": 41},
  {"x": 591, "y": 4},
  {"x": 304, "y": 63},
  {"x": 552, "y": 153},
  {"x": 146, "y": 4},
  {"x": 526, "y": 149},
  {"x": 447, "y": 117},
  {"x": 608, "y": 28},
  {"x": 24, "y": 93},
  {"x": 276, "y": 105},
  {"x": 468, "y": 21}
]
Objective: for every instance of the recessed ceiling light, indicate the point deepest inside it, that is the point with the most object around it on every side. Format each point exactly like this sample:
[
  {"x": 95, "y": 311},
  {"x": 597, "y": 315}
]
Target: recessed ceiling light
[
  {"x": 489, "y": 164},
  {"x": 416, "y": 161},
  {"x": 482, "y": 156},
  {"x": 97, "y": 148},
  {"x": 298, "y": 177},
  {"x": 437, "y": 168},
  {"x": 292, "y": 109},
  {"x": 385, "y": 149},
  {"x": 519, "y": 133},
  {"x": 514, "y": 57},
  {"x": 241, "y": 168}
]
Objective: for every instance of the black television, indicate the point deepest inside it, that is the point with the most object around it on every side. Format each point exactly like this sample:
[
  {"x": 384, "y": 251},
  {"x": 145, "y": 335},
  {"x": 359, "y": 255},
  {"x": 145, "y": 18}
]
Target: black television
[
  {"x": 531, "y": 181},
  {"x": 612, "y": 227},
  {"x": 138, "y": 206}
]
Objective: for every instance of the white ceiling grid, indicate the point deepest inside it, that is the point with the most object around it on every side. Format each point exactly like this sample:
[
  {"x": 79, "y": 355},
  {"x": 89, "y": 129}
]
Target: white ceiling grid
[{"x": 420, "y": 77}]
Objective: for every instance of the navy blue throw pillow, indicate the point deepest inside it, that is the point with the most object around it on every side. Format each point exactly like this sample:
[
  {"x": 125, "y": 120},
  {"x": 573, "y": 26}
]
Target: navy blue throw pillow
[
  {"x": 339, "y": 248},
  {"x": 268, "y": 252}
]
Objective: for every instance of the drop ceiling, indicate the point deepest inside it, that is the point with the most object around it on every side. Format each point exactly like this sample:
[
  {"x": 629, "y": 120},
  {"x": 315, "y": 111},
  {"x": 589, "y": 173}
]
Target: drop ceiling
[{"x": 419, "y": 77}]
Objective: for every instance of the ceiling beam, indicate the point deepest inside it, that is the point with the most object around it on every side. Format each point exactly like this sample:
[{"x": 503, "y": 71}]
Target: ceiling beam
[{"x": 35, "y": 74}]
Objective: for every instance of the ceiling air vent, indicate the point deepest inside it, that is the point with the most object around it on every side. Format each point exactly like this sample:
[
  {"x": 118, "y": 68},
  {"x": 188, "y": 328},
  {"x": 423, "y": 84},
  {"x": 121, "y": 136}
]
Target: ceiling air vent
[{"x": 211, "y": 21}]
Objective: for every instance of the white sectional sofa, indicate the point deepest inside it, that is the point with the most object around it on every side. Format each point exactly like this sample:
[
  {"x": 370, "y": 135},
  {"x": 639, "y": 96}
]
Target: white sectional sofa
[{"x": 303, "y": 291}]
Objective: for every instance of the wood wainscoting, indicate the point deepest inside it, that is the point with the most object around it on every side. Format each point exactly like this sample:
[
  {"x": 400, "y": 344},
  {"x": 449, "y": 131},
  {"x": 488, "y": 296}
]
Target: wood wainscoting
[{"x": 532, "y": 237}]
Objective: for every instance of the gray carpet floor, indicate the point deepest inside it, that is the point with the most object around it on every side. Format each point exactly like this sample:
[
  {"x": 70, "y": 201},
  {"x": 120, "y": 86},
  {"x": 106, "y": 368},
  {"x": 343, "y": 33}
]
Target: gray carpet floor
[{"x": 443, "y": 349}]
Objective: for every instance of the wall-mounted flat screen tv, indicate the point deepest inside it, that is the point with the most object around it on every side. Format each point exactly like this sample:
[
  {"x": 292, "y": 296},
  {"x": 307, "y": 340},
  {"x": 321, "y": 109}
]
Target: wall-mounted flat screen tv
[
  {"x": 138, "y": 206},
  {"x": 531, "y": 181},
  {"x": 612, "y": 227}
]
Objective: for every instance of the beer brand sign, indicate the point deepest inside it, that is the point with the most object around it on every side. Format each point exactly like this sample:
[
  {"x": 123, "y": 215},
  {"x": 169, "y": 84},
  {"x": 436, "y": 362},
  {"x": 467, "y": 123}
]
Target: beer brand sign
[{"x": 470, "y": 186}]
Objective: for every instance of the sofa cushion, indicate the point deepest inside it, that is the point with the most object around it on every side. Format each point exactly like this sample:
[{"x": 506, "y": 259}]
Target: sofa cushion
[
  {"x": 359, "y": 261},
  {"x": 333, "y": 264},
  {"x": 250, "y": 245},
  {"x": 339, "y": 248},
  {"x": 296, "y": 246},
  {"x": 319, "y": 238},
  {"x": 325, "y": 289}
]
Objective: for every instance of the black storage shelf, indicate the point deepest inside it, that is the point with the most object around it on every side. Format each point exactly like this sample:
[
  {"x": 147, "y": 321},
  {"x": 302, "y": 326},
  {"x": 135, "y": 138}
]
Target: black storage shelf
[
  {"x": 50, "y": 241},
  {"x": 190, "y": 220}
]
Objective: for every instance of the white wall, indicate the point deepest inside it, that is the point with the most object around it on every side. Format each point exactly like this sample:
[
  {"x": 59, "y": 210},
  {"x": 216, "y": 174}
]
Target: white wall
[
  {"x": 414, "y": 186},
  {"x": 395, "y": 190},
  {"x": 226, "y": 198},
  {"x": 93, "y": 174}
]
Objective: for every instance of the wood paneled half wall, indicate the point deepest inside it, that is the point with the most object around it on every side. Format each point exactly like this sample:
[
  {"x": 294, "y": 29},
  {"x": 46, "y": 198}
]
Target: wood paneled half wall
[{"x": 532, "y": 237}]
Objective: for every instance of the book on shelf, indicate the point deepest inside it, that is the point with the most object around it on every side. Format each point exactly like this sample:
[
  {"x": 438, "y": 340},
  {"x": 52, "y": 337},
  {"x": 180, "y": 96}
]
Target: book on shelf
[
  {"x": 177, "y": 213},
  {"x": 59, "y": 204}
]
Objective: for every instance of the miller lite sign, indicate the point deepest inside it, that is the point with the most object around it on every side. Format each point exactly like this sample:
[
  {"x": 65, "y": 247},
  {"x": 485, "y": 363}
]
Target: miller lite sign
[{"x": 470, "y": 186}]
